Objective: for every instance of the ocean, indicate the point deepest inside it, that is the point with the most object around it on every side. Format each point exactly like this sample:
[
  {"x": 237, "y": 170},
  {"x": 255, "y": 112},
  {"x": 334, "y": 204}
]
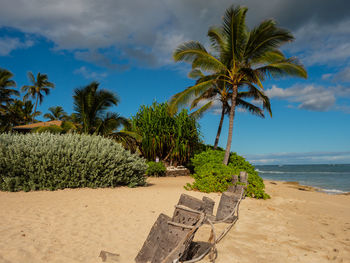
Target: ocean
[{"x": 329, "y": 178}]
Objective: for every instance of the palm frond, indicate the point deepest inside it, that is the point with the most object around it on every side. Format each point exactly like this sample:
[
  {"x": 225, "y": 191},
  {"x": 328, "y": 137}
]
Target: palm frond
[
  {"x": 194, "y": 51},
  {"x": 264, "y": 38},
  {"x": 253, "y": 109},
  {"x": 199, "y": 113},
  {"x": 184, "y": 97},
  {"x": 196, "y": 74},
  {"x": 235, "y": 31},
  {"x": 287, "y": 67},
  {"x": 217, "y": 40}
]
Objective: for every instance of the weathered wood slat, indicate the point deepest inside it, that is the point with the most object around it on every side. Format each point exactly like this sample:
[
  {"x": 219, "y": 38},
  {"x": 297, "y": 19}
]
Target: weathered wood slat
[
  {"x": 157, "y": 235},
  {"x": 191, "y": 202},
  {"x": 243, "y": 177},
  {"x": 208, "y": 205},
  {"x": 227, "y": 205}
]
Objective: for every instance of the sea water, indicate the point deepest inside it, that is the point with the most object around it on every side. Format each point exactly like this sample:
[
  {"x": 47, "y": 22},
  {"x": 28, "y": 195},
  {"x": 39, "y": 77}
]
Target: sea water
[{"x": 330, "y": 178}]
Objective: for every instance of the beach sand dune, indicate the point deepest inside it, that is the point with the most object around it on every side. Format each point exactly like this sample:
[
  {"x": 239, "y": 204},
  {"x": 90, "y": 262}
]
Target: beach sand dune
[{"x": 74, "y": 225}]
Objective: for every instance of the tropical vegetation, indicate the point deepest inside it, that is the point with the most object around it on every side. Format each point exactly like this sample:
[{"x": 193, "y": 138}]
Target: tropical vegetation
[
  {"x": 88, "y": 148},
  {"x": 17, "y": 112},
  {"x": 156, "y": 169},
  {"x": 242, "y": 59},
  {"x": 171, "y": 138},
  {"x": 211, "y": 175},
  {"x": 56, "y": 113},
  {"x": 6, "y": 88},
  {"x": 39, "y": 86},
  {"x": 51, "y": 161}
]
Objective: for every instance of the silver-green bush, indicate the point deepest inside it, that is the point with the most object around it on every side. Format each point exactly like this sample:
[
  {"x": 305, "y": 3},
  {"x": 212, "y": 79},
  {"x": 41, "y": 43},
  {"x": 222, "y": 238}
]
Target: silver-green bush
[{"x": 52, "y": 161}]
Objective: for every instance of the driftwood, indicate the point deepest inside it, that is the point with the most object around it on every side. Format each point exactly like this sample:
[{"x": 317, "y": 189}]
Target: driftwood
[
  {"x": 109, "y": 257},
  {"x": 232, "y": 188},
  {"x": 192, "y": 202},
  {"x": 238, "y": 185},
  {"x": 182, "y": 247},
  {"x": 171, "y": 239},
  {"x": 243, "y": 178},
  {"x": 208, "y": 205},
  {"x": 205, "y": 205},
  {"x": 156, "y": 236}
]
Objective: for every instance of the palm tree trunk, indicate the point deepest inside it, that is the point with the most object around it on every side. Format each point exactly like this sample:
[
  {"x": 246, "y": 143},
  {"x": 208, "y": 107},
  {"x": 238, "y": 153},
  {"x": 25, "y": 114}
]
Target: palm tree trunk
[
  {"x": 36, "y": 104},
  {"x": 220, "y": 127},
  {"x": 230, "y": 129}
]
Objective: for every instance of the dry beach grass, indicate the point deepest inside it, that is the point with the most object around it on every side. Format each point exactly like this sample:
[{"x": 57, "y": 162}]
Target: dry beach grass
[{"x": 74, "y": 225}]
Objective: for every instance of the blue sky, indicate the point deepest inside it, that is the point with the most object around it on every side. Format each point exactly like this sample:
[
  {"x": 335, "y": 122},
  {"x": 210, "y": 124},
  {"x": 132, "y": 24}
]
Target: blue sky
[{"x": 127, "y": 47}]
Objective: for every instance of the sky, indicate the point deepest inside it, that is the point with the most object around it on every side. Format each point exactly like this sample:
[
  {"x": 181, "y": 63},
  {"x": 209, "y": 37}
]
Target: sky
[{"x": 127, "y": 46}]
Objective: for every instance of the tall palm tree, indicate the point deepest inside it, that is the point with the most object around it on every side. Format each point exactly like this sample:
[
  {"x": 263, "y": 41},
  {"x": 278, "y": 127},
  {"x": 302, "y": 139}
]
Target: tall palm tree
[
  {"x": 6, "y": 83},
  {"x": 56, "y": 113},
  {"x": 241, "y": 56},
  {"x": 91, "y": 104},
  {"x": 39, "y": 86}
]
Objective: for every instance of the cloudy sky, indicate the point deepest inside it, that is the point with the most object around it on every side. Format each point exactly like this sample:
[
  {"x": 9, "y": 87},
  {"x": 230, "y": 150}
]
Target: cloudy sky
[{"x": 127, "y": 46}]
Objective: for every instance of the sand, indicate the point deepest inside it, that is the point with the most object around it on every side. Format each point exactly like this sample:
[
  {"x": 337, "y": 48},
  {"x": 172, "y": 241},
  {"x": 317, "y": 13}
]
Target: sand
[{"x": 74, "y": 225}]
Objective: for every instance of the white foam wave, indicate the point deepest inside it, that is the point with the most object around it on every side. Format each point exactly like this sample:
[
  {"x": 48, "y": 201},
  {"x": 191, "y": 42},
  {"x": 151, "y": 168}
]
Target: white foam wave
[{"x": 333, "y": 191}]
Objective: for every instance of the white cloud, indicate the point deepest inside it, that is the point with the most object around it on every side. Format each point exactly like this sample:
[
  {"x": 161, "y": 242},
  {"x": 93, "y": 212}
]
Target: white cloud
[
  {"x": 148, "y": 31},
  {"x": 89, "y": 74},
  {"x": 310, "y": 97},
  {"x": 8, "y": 44},
  {"x": 343, "y": 75},
  {"x": 326, "y": 76}
]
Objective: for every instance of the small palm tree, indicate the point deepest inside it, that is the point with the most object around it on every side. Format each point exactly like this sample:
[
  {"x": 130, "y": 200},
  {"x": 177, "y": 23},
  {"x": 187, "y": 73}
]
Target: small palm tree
[
  {"x": 91, "y": 104},
  {"x": 242, "y": 56},
  {"x": 17, "y": 112},
  {"x": 6, "y": 83},
  {"x": 56, "y": 113},
  {"x": 39, "y": 86}
]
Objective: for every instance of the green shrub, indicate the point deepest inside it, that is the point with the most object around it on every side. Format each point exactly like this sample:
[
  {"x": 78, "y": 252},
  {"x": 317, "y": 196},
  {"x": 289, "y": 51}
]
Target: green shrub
[
  {"x": 212, "y": 176},
  {"x": 51, "y": 129},
  {"x": 155, "y": 169},
  {"x": 38, "y": 161},
  {"x": 65, "y": 127}
]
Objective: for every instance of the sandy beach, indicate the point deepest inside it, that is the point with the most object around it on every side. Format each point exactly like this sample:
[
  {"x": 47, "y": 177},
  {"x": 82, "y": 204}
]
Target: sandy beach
[{"x": 74, "y": 225}]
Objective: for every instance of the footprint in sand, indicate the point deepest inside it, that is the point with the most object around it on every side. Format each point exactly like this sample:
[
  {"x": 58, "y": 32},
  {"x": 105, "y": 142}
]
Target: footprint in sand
[
  {"x": 332, "y": 234},
  {"x": 333, "y": 255}
]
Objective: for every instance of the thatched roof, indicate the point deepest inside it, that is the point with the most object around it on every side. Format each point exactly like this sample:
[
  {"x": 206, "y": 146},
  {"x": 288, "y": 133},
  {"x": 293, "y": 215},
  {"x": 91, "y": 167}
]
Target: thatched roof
[{"x": 37, "y": 124}]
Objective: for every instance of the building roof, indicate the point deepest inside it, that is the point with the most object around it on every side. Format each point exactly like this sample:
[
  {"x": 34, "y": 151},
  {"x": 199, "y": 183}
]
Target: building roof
[{"x": 37, "y": 124}]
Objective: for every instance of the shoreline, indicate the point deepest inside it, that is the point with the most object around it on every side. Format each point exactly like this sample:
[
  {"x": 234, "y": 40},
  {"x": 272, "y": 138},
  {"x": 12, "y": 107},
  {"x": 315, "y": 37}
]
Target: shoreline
[
  {"x": 302, "y": 187},
  {"x": 74, "y": 225}
]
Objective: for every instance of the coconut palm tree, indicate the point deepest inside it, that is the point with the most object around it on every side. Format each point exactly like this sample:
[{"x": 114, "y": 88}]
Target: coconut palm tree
[
  {"x": 242, "y": 56},
  {"x": 39, "y": 86},
  {"x": 91, "y": 104},
  {"x": 56, "y": 113},
  {"x": 6, "y": 83},
  {"x": 220, "y": 93}
]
